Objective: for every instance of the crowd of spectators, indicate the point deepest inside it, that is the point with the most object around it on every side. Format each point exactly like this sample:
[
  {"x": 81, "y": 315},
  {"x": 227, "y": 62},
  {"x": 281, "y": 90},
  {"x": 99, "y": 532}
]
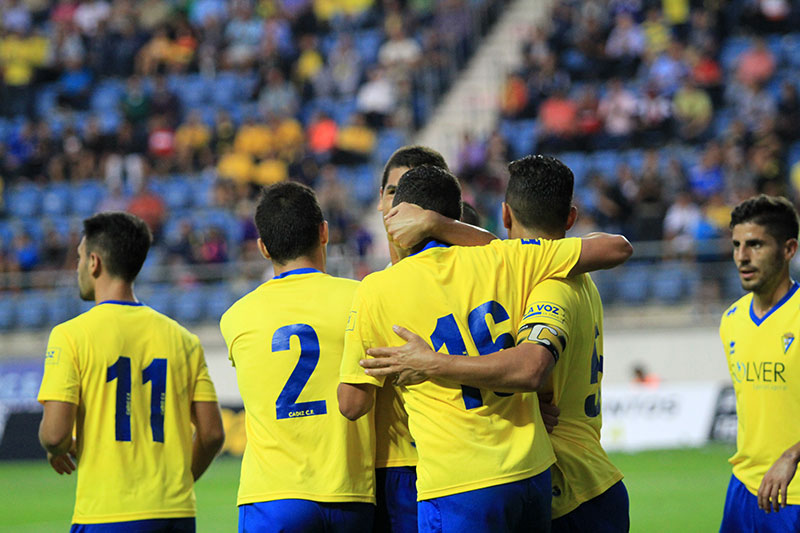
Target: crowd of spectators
[
  {"x": 669, "y": 112},
  {"x": 132, "y": 94}
]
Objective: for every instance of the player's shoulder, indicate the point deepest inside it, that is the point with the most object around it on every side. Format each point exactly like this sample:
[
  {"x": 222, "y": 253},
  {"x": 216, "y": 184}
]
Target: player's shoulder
[
  {"x": 171, "y": 326},
  {"x": 742, "y": 305}
]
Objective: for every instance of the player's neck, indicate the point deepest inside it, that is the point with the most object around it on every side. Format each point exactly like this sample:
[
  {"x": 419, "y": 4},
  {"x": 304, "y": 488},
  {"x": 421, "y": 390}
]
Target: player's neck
[
  {"x": 535, "y": 233},
  {"x": 108, "y": 289},
  {"x": 315, "y": 261},
  {"x": 393, "y": 257},
  {"x": 765, "y": 300}
]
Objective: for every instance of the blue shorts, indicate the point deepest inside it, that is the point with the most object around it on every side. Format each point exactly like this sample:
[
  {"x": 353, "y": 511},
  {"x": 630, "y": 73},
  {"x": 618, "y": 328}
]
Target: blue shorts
[
  {"x": 305, "y": 516},
  {"x": 158, "y": 525},
  {"x": 606, "y": 513},
  {"x": 520, "y": 506},
  {"x": 742, "y": 515},
  {"x": 396, "y": 494}
]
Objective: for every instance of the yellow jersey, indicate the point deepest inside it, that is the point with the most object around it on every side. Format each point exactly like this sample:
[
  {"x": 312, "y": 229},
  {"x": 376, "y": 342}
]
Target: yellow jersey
[
  {"x": 764, "y": 363},
  {"x": 464, "y": 301},
  {"x": 133, "y": 373},
  {"x": 567, "y": 316},
  {"x": 285, "y": 339}
]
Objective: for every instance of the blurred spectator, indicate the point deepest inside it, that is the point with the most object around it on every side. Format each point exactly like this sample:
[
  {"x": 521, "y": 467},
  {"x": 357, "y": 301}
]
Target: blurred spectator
[
  {"x": 707, "y": 177},
  {"x": 649, "y": 209},
  {"x": 164, "y": 102},
  {"x": 558, "y": 121},
  {"x": 20, "y": 56},
  {"x": 355, "y": 142},
  {"x": 24, "y": 253},
  {"x": 400, "y": 53},
  {"x": 376, "y": 98},
  {"x": 514, "y": 97},
  {"x": 707, "y": 75},
  {"x": 192, "y": 141},
  {"x": 610, "y": 209},
  {"x": 214, "y": 248},
  {"x": 618, "y": 111},
  {"x": 136, "y": 103},
  {"x": 322, "y": 134},
  {"x": 756, "y": 65},
  {"x": 680, "y": 224},
  {"x": 752, "y": 104},
  {"x": 788, "y": 115},
  {"x": 590, "y": 123},
  {"x": 642, "y": 377},
  {"x": 625, "y": 45},
  {"x": 278, "y": 95},
  {"x": 345, "y": 67},
  {"x": 74, "y": 86},
  {"x": 657, "y": 34},
  {"x": 668, "y": 69},
  {"x": 655, "y": 117},
  {"x": 243, "y": 33},
  {"x": 148, "y": 206},
  {"x": 693, "y": 112}
]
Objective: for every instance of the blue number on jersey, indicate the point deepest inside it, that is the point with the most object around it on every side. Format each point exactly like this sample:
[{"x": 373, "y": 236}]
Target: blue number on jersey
[
  {"x": 287, "y": 406},
  {"x": 156, "y": 374},
  {"x": 121, "y": 371},
  {"x": 592, "y": 404},
  {"x": 447, "y": 334}
]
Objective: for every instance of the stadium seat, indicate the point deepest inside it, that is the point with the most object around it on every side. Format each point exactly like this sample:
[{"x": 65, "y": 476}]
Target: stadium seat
[
  {"x": 218, "y": 299},
  {"x": 202, "y": 187},
  {"x": 579, "y": 164},
  {"x": 523, "y": 138},
  {"x": 388, "y": 141},
  {"x": 7, "y": 314},
  {"x": 731, "y": 50},
  {"x": 669, "y": 283},
  {"x": 605, "y": 280},
  {"x": 367, "y": 43},
  {"x": 62, "y": 305},
  {"x": 86, "y": 196},
  {"x": 159, "y": 297},
  {"x": 32, "y": 311},
  {"x": 56, "y": 199},
  {"x": 24, "y": 200},
  {"x": 633, "y": 283},
  {"x": 106, "y": 96},
  {"x": 176, "y": 192},
  {"x": 189, "y": 304}
]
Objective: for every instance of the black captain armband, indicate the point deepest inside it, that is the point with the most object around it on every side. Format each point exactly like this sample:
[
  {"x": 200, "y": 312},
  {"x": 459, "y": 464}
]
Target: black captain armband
[{"x": 546, "y": 335}]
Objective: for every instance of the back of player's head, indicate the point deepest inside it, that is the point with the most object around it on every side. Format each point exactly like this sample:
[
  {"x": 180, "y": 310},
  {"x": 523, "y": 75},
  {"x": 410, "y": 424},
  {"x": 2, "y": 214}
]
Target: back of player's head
[
  {"x": 469, "y": 215},
  {"x": 540, "y": 192},
  {"x": 777, "y": 215},
  {"x": 288, "y": 217},
  {"x": 432, "y": 188},
  {"x": 412, "y": 157},
  {"x": 121, "y": 240}
]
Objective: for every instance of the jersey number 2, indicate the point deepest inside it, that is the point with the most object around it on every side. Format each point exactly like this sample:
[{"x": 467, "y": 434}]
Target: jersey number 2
[
  {"x": 156, "y": 374},
  {"x": 287, "y": 405}
]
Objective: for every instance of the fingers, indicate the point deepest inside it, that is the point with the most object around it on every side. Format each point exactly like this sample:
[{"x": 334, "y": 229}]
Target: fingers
[
  {"x": 405, "y": 334},
  {"x": 381, "y": 372},
  {"x": 545, "y": 397},
  {"x": 62, "y": 464},
  {"x": 775, "y": 504},
  {"x": 392, "y": 212},
  {"x": 784, "y": 494},
  {"x": 762, "y": 496},
  {"x": 382, "y": 352},
  {"x": 375, "y": 363}
]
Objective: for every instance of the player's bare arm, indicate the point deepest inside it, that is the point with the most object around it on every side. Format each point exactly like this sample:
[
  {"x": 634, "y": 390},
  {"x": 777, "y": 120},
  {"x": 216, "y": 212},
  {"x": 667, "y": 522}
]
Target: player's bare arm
[
  {"x": 523, "y": 368},
  {"x": 209, "y": 436},
  {"x": 601, "y": 251},
  {"x": 55, "y": 435},
  {"x": 774, "y": 487},
  {"x": 409, "y": 224},
  {"x": 355, "y": 399}
]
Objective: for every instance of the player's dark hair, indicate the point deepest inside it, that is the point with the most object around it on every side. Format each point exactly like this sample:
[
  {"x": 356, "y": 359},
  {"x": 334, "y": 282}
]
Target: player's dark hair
[
  {"x": 288, "y": 218},
  {"x": 432, "y": 188},
  {"x": 122, "y": 241},
  {"x": 775, "y": 213},
  {"x": 412, "y": 157},
  {"x": 539, "y": 192},
  {"x": 469, "y": 215}
]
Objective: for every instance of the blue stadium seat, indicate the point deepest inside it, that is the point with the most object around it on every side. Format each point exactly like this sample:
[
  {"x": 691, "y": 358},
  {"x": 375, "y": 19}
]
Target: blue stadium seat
[
  {"x": 107, "y": 96},
  {"x": 150, "y": 269},
  {"x": 193, "y": 90},
  {"x": 225, "y": 220},
  {"x": 605, "y": 280},
  {"x": 226, "y": 89},
  {"x": 202, "y": 187},
  {"x": 367, "y": 43},
  {"x": 606, "y": 162},
  {"x": 190, "y": 305},
  {"x": 790, "y": 49},
  {"x": 86, "y": 196},
  {"x": 388, "y": 141},
  {"x": 176, "y": 192},
  {"x": 669, "y": 283},
  {"x": 56, "y": 199},
  {"x": 159, "y": 297},
  {"x": 62, "y": 305},
  {"x": 8, "y": 314},
  {"x": 32, "y": 311},
  {"x": 523, "y": 138},
  {"x": 218, "y": 299},
  {"x": 24, "y": 200},
  {"x": 578, "y": 163},
  {"x": 365, "y": 184},
  {"x": 632, "y": 284},
  {"x": 793, "y": 154},
  {"x": 731, "y": 50},
  {"x": 47, "y": 101},
  {"x": 344, "y": 110}
]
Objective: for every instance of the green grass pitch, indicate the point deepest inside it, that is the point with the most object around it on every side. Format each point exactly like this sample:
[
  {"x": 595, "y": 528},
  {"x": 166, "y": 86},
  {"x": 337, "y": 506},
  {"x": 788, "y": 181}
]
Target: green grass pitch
[{"x": 673, "y": 490}]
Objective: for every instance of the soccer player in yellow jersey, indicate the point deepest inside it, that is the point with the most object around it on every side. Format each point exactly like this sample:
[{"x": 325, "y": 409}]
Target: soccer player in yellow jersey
[
  {"x": 758, "y": 335},
  {"x": 395, "y": 455},
  {"x": 129, "y": 383},
  {"x": 481, "y": 467},
  {"x": 566, "y": 318},
  {"x": 305, "y": 467}
]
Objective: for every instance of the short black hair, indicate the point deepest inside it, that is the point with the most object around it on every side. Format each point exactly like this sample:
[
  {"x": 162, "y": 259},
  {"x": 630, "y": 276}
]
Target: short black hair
[
  {"x": 469, "y": 215},
  {"x": 432, "y": 188},
  {"x": 288, "y": 217},
  {"x": 412, "y": 156},
  {"x": 775, "y": 213},
  {"x": 539, "y": 192},
  {"x": 121, "y": 239}
]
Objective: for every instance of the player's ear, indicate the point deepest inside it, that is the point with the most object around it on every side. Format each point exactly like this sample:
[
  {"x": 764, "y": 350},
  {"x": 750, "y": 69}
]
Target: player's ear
[
  {"x": 380, "y": 199},
  {"x": 263, "y": 249},
  {"x": 790, "y": 248},
  {"x": 506, "y": 216},
  {"x": 323, "y": 233},
  {"x": 572, "y": 217},
  {"x": 95, "y": 264}
]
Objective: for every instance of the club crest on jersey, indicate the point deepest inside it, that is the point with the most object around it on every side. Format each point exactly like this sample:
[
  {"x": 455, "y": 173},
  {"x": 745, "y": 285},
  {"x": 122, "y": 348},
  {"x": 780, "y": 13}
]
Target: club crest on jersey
[
  {"x": 52, "y": 356},
  {"x": 788, "y": 339}
]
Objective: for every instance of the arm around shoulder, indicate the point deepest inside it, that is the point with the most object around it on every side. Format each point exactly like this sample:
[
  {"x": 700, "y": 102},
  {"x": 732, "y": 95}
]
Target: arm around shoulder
[{"x": 601, "y": 251}]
